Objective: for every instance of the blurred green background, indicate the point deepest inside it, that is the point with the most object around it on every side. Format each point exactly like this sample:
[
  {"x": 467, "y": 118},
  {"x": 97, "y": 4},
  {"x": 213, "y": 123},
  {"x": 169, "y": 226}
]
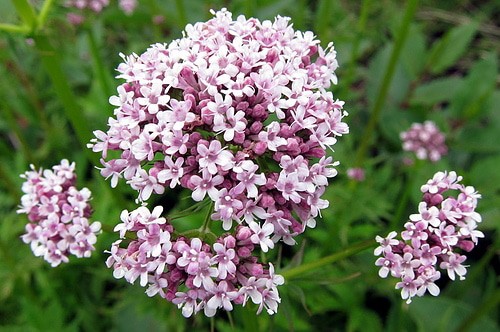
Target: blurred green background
[{"x": 400, "y": 62}]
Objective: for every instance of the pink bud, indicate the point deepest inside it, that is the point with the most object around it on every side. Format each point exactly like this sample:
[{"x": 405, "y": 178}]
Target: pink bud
[
  {"x": 230, "y": 241},
  {"x": 266, "y": 200},
  {"x": 239, "y": 138},
  {"x": 176, "y": 275},
  {"x": 260, "y": 148},
  {"x": 255, "y": 128},
  {"x": 243, "y": 233},
  {"x": 256, "y": 269},
  {"x": 466, "y": 245},
  {"x": 244, "y": 252},
  {"x": 317, "y": 152}
]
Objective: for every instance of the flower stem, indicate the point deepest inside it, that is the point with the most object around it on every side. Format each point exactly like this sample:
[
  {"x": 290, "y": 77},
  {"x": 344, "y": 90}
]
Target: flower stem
[
  {"x": 42, "y": 16},
  {"x": 181, "y": 13},
  {"x": 363, "y": 17},
  {"x": 308, "y": 267},
  {"x": 386, "y": 81},
  {"x": 204, "y": 228},
  {"x": 12, "y": 123},
  {"x": 26, "y": 13},
  {"x": 51, "y": 62},
  {"x": 99, "y": 67},
  {"x": 14, "y": 28},
  {"x": 190, "y": 210},
  {"x": 405, "y": 196}
]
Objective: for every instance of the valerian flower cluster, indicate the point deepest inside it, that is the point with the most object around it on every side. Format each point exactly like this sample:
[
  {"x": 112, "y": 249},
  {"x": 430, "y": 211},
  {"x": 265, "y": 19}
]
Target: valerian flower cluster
[
  {"x": 58, "y": 213},
  {"x": 214, "y": 276},
  {"x": 238, "y": 113},
  {"x": 95, "y": 6},
  {"x": 425, "y": 140},
  {"x": 433, "y": 239}
]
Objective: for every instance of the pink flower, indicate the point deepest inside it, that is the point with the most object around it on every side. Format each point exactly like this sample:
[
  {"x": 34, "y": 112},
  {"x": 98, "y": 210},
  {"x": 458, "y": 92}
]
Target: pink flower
[
  {"x": 224, "y": 259},
  {"x": 213, "y": 156},
  {"x": 357, "y": 174},
  {"x": 433, "y": 234},
  {"x": 204, "y": 185},
  {"x": 173, "y": 172},
  {"x": 425, "y": 140},
  {"x": 58, "y": 214},
  {"x": 290, "y": 186},
  {"x": 261, "y": 235},
  {"x": 236, "y": 110}
]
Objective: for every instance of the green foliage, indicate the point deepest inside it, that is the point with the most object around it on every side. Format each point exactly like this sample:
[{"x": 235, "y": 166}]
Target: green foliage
[
  {"x": 438, "y": 62},
  {"x": 447, "y": 50}
]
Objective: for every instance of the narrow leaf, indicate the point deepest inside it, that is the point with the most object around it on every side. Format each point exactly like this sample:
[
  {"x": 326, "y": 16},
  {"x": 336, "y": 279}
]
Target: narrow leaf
[
  {"x": 479, "y": 84},
  {"x": 436, "y": 91},
  {"x": 446, "y": 51}
]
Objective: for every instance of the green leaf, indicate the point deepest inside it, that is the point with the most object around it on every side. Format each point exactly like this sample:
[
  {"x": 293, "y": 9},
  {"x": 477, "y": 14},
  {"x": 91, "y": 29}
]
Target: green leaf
[
  {"x": 444, "y": 314},
  {"x": 479, "y": 84},
  {"x": 398, "y": 86},
  {"x": 395, "y": 120},
  {"x": 446, "y": 51},
  {"x": 483, "y": 139},
  {"x": 360, "y": 319},
  {"x": 437, "y": 91},
  {"x": 485, "y": 175},
  {"x": 413, "y": 52}
]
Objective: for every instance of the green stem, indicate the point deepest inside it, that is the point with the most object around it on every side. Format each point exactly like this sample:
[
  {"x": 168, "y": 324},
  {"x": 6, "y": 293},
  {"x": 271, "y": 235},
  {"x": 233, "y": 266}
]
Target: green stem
[
  {"x": 44, "y": 12},
  {"x": 321, "y": 18},
  {"x": 386, "y": 82},
  {"x": 10, "y": 184},
  {"x": 212, "y": 324},
  {"x": 26, "y": 13},
  {"x": 51, "y": 63},
  {"x": 405, "y": 196},
  {"x": 204, "y": 227},
  {"x": 11, "y": 121},
  {"x": 31, "y": 92},
  {"x": 189, "y": 211},
  {"x": 99, "y": 66},
  {"x": 308, "y": 267},
  {"x": 181, "y": 13},
  {"x": 249, "y": 8},
  {"x": 363, "y": 17},
  {"x": 13, "y": 28},
  {"x": 230, "y": 318}
]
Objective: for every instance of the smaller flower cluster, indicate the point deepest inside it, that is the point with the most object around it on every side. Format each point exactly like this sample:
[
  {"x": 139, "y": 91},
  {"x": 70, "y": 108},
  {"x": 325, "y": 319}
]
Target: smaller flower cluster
[
  {"x": 58, "y": 214},
  {"x": 95, "y": 6},
  {"x": 443, "y": 225},
  {"x": 425, "y": 140},
  {"x": 189, "y": 272},
  {"x": 356, "y": 174}
]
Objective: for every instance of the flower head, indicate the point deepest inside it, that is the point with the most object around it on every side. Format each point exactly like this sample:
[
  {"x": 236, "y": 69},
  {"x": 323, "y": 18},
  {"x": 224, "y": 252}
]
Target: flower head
[
  {"x": 432, "y": 237},
  {"x": 237, "y": 112},
  {"x": 425, "y": 140},
  {"x": 58, "y": 213}
]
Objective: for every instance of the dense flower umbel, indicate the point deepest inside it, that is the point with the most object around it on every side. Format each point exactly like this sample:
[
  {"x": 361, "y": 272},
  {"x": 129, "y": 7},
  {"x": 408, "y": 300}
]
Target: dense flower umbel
[
  {"x": 189, "y": 272},
  {"x": 425, "y": 140},
  {"x": 237, "y": 112},
  {"x": 58, "y": 214},
  {"x": 444, "y": 226}
]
